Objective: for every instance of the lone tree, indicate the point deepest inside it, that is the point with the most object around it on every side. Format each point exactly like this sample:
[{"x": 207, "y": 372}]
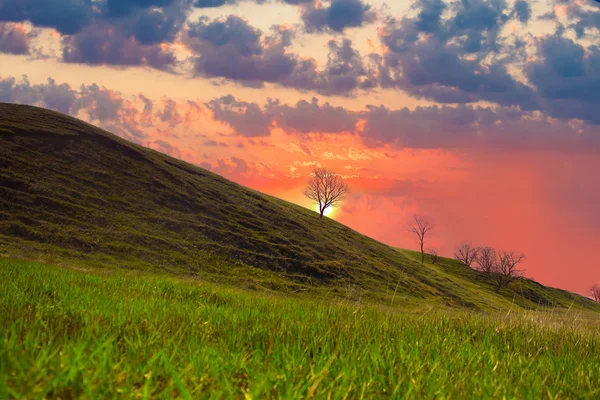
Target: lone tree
[
  {"x": 420, "y": 227},
  {"x": 326, "y": 189},
  {"x": 467, "y": 253},
  {"x": 595, "y": 292}
]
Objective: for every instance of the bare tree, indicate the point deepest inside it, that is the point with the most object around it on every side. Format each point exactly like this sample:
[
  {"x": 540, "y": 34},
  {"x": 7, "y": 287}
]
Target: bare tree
[
  {"x": 434, "y": 256},
  {"x": 420, "y": 227},
  {"x": 326, "y": 189},
  {"x": 595, "y": 292},
  {"x": 486, "y": 259},
  {"x": 506, "y": 268},
  {"x": 502, "y": 265},
  {"x": 467, "y": 253}
]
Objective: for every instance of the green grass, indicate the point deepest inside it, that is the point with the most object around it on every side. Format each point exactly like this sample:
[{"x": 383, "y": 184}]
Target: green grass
[
  {"x": 123, "y": 334},
  {"x": 73, "y": 194}
]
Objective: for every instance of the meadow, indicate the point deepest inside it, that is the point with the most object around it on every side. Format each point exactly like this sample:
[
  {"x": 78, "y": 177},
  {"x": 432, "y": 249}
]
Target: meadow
[{"x": 91, "y": 333}]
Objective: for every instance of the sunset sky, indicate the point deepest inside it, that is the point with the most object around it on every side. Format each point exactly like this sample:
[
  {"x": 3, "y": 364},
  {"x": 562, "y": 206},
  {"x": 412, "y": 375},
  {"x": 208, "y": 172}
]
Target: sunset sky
[{"x": 483, "y": 115}]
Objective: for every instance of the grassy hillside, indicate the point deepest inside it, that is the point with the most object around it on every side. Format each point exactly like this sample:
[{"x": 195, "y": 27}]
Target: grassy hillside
[
  {"x": 73, "y": 194},
  {"x": 72, "y": 334}
]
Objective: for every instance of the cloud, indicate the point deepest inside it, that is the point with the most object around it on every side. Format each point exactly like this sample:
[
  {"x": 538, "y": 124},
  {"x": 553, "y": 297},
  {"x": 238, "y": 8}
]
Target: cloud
[
  {"x": 567, "y": 75},
  {"x": 522, "y": 11},
  {"x": 115, "y": 32},
  {"x": 14, "y": 39},
  {"x": 311, "y": 117},
  {"x": 103, "y": 44},
  {"x": 462, "y": 127},
  {"x": 246, "y": 119},
  {"x": 66, "y": 16},
  {"x": 457, "y": 128},
  {"x": 59, "y": 97},
  {"x": 456, "y": 59},
  {"x": 583, "y": 20},
  {"x": 231, "y": 48},
  {"x": 157, "y": 25},
  {"x": 99, "y": 105},
  {"x": 252, "y": 120},
  {"x": 337, "y": 16},
  {"x": 467, "y": 127},
  {"x": 121, "y": 8},
  {"x": 219, "y": 3},
  {"x": 170, "y": 113}
]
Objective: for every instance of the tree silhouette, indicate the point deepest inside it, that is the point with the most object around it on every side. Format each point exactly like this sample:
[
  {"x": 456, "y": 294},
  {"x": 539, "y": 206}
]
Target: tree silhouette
[
  {"x": 420, "y": 227},
  {"x": 467, "y": 253},
  {"x": 326, "y": 189},
  {"x": 595, "y": 292}
]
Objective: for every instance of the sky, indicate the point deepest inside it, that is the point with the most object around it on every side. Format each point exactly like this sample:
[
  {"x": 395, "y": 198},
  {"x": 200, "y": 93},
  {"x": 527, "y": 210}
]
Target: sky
[{"x": 482, "y": 115}]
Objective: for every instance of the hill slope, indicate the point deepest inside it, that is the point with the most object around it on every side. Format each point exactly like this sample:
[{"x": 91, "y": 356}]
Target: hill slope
[{"x": 73, "y": 193}]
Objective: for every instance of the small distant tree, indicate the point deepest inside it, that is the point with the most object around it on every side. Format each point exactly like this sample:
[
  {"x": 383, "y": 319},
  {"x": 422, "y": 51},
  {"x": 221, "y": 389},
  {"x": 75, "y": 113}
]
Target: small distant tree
[
  {"x": 506, "y": 268},
  {"x": 435, "y": 258},
  {"x": 502, "y": 265},
  {"x": 486, "y": 259},
  {"x": 467, "y": 253},
  {"x": 420, "y": 226},
  {"x": 326, "y": 189},
  {"x": 595, "y": 292}
]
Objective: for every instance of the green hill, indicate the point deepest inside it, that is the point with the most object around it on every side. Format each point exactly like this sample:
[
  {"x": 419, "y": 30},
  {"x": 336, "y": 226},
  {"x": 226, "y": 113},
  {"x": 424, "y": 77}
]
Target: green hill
[{"x": 73, "y": 194}]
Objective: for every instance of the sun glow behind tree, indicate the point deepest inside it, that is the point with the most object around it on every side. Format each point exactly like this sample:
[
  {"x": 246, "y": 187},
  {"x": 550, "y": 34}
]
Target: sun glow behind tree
[
  {"x": 326, "y": 189},
  {"x": 328, "y": 212}
]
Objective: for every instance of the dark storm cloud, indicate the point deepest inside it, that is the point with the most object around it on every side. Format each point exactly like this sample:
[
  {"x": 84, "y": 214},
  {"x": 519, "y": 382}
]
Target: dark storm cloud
[
  {"x": 13, "y": 39},
  {"x": 230, "y": 48},
  {"x": 337, "y": 15}
]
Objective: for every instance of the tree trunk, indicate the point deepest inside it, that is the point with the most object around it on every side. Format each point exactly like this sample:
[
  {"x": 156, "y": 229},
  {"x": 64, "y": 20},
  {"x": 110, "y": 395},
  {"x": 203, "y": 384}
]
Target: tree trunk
[
  {"x": 422, "y": 254},
  {"x": 321, "y": 211}
]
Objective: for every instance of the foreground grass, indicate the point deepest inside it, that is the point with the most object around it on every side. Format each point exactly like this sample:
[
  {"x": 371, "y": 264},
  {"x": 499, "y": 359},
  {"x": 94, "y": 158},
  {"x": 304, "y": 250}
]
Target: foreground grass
[{"x": 76, "y": 334}]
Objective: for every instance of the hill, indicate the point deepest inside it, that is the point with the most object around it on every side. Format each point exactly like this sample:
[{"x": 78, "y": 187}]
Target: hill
[{"x": 71, "y": 193}]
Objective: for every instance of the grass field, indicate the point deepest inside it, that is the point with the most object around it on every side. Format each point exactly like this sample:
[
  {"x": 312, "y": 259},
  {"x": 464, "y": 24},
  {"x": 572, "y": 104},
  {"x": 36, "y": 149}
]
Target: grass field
[{"x": 99, "y": 334}]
